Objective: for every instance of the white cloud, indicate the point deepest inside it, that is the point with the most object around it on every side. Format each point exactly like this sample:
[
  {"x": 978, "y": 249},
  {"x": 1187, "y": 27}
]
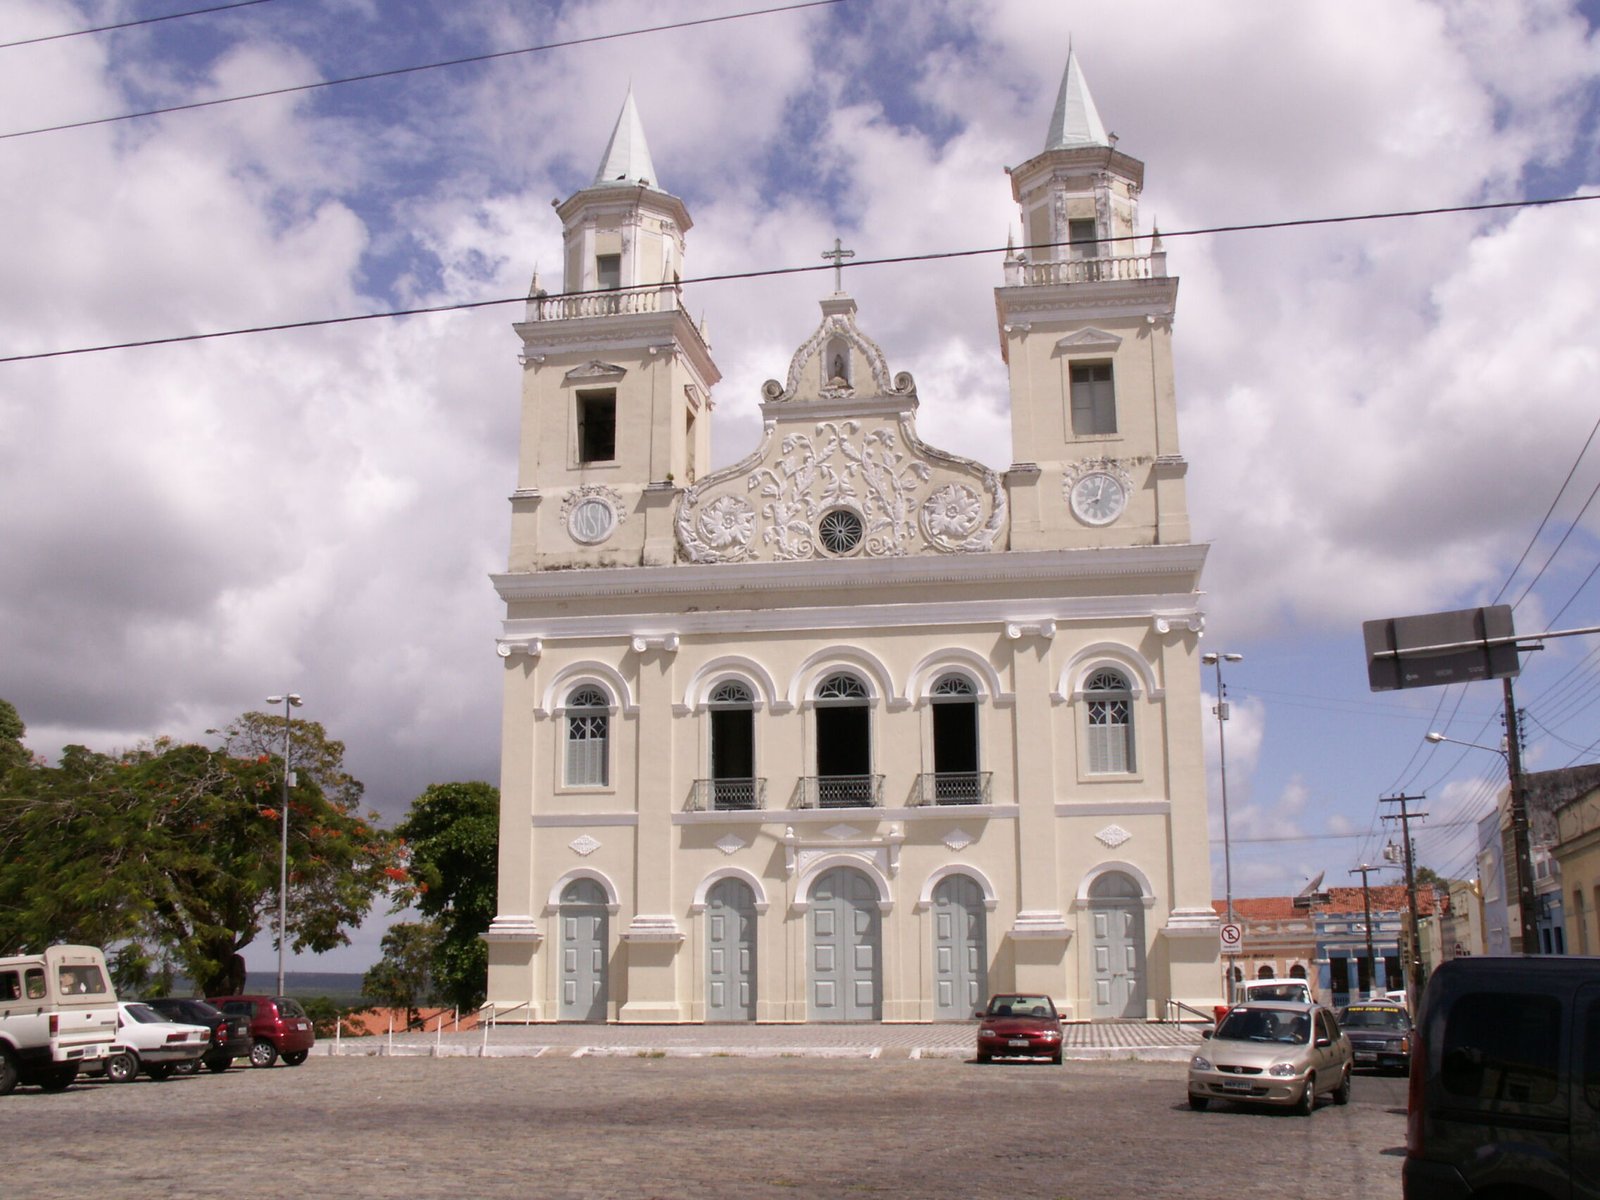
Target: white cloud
[{"x": 1376, "y": 414}]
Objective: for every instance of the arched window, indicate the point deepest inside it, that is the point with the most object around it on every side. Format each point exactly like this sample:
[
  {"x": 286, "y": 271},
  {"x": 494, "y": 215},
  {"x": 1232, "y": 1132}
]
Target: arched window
[
  {"x": 732, "y": 751},
  {"x": 1266, "y": 972},
  {"x": 844, "y": 743},
  {"x": 588, "y": 737},
  {"x": 1110, "y": 714},
  {"x": 955, "y": 740}
]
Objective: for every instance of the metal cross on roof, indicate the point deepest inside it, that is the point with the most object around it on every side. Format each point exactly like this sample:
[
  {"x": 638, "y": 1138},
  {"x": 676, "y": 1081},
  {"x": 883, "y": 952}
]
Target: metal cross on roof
[{"x": 838, "y": 254}]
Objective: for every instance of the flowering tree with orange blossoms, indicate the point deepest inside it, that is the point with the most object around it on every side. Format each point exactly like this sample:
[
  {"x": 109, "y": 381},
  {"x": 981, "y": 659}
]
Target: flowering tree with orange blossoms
[{"x": 170, "y": 852}]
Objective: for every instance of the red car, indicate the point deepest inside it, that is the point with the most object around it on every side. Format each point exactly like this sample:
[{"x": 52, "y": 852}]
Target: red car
[
  {"x": 279, "y": 1027},
  {"x": 1019, "y": 1026}
]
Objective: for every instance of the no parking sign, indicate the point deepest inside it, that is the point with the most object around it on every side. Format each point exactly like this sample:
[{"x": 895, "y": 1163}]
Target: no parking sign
[{"x": 1231, "y": 936}]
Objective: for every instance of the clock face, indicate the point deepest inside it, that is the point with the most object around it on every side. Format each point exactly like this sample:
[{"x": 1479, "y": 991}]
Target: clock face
[{"x": 1098, "y": 498}]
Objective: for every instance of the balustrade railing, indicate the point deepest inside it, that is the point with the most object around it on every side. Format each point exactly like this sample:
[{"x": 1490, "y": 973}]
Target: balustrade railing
[
  {"x": 1052, "y": 272},
  {"x": 840, "y": 791},
  {"x": 620, "y": 302},
  {"x": 953, "y": 787}
]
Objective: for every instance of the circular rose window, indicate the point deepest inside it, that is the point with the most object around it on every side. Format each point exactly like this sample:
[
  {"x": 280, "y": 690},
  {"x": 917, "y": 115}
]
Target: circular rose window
[{"x": 840, "y": 531}]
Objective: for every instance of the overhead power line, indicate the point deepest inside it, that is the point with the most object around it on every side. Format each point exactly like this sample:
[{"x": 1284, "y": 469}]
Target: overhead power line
[
  {"x": 411, "y": 70},
  {"x": 193, "y": 12},
  {"x": 772, "y": 272}
]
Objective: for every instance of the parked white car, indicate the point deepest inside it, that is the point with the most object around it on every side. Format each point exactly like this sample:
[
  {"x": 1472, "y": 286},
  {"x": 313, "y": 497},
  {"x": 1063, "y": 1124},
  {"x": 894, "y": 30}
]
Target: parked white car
[{"x": 148, "y": 1042}]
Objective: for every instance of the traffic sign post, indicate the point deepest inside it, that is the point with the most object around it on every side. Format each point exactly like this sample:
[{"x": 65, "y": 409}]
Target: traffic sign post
[{"x": 1232, "y": 934}]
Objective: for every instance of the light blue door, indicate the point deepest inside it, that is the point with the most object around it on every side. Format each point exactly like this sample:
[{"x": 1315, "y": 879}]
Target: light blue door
[
  {"x": 584, "y": 930},
  {"x": 1116, "y": 914},
  {"x": 960, "y": 949},
  {"x": 845, "y": 931},
  {"x": 730, "y": 952}
]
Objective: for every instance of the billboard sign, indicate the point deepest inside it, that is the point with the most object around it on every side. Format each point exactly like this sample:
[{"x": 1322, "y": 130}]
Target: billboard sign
[{"x": 1438, "y": 648}]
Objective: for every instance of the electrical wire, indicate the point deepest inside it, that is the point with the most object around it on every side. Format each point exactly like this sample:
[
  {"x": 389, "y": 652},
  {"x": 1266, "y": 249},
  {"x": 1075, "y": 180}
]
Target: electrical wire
[
  {"x": 193, "y": 12},
  {"x": 412, "y": 70},
  {"x": 772, "y": 272}
]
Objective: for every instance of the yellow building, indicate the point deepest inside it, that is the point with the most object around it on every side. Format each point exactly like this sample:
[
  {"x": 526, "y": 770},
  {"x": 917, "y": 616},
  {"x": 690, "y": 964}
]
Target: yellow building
[{"x": 856, "y": 729}]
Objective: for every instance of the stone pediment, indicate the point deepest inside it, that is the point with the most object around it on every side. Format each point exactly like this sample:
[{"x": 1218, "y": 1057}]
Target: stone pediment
[
  {"x": 1090, "y": 339},
  {"x": 840, "y": 471},
  {"x": 838, "y": 362},
  {"x": 594, "y": 370}
]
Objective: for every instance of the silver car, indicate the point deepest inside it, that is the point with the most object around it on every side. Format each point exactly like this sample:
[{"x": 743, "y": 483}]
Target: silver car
[{"x": 1270, "y": 1052}]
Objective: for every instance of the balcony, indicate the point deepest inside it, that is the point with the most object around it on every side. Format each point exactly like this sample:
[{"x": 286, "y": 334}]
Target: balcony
[
  {"x": 953, "y": 787},
  {"x": 1050, "y": 273},
  {"x": 840, "y": 791},
  {"x": 727, "y": 795},
  {"x": 610, "y": 303}
]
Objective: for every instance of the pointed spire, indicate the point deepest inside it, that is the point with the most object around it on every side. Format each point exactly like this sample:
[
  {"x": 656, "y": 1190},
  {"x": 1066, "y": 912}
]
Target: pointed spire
[
  {"x": 1075, "y": 122},
  {"x": 627, "y": 158}
]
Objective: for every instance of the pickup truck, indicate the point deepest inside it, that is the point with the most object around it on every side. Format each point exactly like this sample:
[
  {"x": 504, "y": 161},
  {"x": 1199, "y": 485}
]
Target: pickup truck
[{"x": 58, "y": 1012}]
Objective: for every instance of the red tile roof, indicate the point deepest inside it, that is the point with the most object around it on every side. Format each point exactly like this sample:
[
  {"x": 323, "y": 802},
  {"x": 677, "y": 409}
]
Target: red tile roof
[{"x": 1386, "y": 898}]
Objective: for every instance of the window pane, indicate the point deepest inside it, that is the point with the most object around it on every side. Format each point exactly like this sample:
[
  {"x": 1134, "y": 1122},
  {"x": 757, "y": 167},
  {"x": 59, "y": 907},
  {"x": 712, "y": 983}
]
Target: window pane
[
  {"x": 1094, "y": 409},
  {"x": 1501, "y": 1048},
  {"x": 597, "y": 428}
]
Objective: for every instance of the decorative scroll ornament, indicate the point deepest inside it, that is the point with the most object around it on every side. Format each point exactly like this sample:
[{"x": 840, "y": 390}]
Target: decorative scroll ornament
[{"x": 592, "y": 513}]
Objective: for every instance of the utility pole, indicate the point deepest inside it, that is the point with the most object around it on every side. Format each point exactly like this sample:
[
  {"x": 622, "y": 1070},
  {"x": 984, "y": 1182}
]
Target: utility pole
[
  {"x": 1527, "y": 901},
  {"x": 1405, "y": 817},
  {"x": 1366, "y": 900}
]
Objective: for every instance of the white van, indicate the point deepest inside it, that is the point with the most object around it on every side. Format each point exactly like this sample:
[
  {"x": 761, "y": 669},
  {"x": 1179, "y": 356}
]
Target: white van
[
  {"x": 1296, "y": 991},
  {"x": 57, "y": 1012}
]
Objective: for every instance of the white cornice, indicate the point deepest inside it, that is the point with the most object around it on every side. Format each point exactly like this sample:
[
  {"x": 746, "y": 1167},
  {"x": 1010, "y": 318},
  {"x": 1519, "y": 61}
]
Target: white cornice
[
  {"x": 847, "y": 616},
  {"x": 881, "y": 575}
]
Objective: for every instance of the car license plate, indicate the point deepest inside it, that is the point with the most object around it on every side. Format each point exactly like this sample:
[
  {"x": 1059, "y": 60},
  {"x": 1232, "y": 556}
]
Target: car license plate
[
  {"x": 1236, "y": 1085},
  {"x": 1017, "y": 1042}
]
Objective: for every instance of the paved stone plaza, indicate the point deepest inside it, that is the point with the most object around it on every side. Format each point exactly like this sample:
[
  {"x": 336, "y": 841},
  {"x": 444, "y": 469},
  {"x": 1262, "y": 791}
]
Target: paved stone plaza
[{"x": 649, "y": 1124}]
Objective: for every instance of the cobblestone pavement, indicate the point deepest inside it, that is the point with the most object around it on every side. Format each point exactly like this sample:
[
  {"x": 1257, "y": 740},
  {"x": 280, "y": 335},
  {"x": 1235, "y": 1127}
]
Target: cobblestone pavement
[
  {"x": 365, "y": 1126},
  {"x": 1151, "y": 1041}
]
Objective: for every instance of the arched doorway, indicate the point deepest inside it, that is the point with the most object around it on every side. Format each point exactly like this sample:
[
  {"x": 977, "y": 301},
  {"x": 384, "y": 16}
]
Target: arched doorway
[
  {"x": 1116, "y": 914},
  {"x": 845, "y": 932},
  {"x": 960, "y": 949},
  {"x": 584, "y": 937},
  {"x": 730, "y": 952}
]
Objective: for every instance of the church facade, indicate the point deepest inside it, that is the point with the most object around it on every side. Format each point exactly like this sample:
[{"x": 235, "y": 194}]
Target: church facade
[{"x": 856, "y": 729}]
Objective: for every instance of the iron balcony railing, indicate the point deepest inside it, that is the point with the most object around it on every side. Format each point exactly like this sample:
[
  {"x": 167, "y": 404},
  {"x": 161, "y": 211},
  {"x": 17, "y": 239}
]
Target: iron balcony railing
[
  {"x": 840, "y": 791},
  {"x": 953, "y": 787},
  {"x": 728, "y": 795}
]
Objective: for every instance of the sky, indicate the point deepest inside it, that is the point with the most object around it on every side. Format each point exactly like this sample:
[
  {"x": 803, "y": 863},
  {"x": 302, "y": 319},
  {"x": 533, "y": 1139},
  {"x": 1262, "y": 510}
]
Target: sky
[{"x": 1381, "y": 418}]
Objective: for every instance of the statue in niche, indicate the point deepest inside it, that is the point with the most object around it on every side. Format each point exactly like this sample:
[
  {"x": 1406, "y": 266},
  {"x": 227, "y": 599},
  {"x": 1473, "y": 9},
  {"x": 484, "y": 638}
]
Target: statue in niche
[{"x": 838, "y": 371}]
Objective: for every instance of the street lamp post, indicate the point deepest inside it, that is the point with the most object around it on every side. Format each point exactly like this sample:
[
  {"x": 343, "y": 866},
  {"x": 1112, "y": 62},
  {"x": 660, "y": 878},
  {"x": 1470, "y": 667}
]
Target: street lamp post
[
  {"x": 1526, "y": 900},
  {"x": 287, "y": 700},
  {"x": 1216, "y": 659}
]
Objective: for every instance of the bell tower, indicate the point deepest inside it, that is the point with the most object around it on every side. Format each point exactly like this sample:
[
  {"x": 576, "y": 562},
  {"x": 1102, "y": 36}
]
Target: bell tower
[
  {"x": 1085, "y": 328},
  {"x": 617, "y": 379}
]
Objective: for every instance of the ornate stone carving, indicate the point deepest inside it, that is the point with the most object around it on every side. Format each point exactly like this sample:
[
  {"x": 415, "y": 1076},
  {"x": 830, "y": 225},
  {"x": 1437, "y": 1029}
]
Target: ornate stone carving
[
  {"x": 958, "y": 839},
  {"x": 1113, "y": 836},
  {"x": 583, "y": 845},
  {"x": 592, "y": 513},
  {"x": 910, "y": 497},
  {"x": 729, "y": 844}
]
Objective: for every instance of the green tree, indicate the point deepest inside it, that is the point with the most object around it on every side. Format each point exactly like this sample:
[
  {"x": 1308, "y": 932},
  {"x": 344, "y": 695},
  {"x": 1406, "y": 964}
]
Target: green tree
[
  {"x": 13, "y": 753},
  {"x": 171, "y": 852},
  {"x": 452, "y": 839},
  {"x": 403, "y": 977}
]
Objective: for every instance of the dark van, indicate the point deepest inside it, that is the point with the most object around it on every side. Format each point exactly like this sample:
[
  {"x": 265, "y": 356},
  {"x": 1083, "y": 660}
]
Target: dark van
[{"x": 1505, "y": 1081}]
